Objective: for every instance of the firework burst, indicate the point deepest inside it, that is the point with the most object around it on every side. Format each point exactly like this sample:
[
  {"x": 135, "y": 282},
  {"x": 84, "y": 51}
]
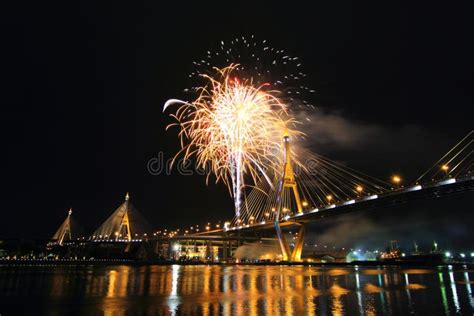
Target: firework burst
[
  {"x": 261, "y": 63},
  {"x": 235, "y": 126}
]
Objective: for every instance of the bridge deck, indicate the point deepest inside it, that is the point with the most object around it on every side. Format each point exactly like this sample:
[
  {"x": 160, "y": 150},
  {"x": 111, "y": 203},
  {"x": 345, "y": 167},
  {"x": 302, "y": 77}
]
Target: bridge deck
[{"x": 398, "y": 196}]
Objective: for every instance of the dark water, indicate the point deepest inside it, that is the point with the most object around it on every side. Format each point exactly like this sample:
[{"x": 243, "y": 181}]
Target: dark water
[{"x": 234, "y": 290}]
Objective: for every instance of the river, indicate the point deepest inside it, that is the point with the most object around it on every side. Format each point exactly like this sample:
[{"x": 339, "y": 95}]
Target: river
[{"x": 234, "y": 290}]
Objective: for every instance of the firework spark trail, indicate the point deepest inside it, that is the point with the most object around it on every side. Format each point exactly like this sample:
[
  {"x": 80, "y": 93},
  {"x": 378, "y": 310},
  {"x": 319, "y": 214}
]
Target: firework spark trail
[
  {"x": 234, "y": 126},
  {"x": 262, "y": 63}
]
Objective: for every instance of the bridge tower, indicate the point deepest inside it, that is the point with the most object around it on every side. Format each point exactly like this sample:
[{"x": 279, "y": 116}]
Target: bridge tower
[
  {"x": 64, "y": 231},
  {"x": 125, "y": 223},
  {"x": 288, "y": 182}
]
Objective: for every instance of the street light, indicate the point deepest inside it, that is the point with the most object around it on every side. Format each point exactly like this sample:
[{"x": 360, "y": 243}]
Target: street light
[
  {"x": 445, "y": 168},
  {"x": 359, "y": 189},
  {"x": 329, "y": 198},
  {"x": 396, "y": 179},
  {"x": 305, "y": 203}
]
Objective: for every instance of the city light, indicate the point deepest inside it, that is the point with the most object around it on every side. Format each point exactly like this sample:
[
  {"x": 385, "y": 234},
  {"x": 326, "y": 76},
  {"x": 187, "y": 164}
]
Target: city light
[
  {"x": 448, "y": 254},
  {"x": 396, "y": 179},
  {"x": 359, "y": 189}
]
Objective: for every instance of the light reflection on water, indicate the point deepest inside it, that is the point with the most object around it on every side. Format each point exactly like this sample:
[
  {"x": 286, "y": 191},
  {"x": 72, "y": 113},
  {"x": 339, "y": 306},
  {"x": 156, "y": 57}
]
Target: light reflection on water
[{"x": 234, "y": 290}]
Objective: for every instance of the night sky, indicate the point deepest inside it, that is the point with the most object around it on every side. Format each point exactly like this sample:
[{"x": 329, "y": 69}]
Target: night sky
[{"x": 83, "y": 86}]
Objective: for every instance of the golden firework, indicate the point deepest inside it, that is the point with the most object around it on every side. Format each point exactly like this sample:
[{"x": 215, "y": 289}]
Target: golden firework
[{"x": 234, "y": 127}]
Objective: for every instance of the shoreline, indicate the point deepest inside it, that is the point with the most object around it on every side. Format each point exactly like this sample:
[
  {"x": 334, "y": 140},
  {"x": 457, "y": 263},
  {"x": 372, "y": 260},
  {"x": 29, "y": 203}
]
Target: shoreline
[{"x": 105, "y": 262}]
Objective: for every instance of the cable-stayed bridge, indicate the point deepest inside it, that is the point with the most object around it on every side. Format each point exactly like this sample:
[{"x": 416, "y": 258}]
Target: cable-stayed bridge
[
  {"x": 306, "y": 188},
  {"x": 313, "y": 187}
]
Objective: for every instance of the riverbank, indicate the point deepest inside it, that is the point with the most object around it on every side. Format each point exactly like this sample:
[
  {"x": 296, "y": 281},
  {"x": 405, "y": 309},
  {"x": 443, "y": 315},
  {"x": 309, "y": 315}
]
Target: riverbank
[{"x": 98, "y": 262}]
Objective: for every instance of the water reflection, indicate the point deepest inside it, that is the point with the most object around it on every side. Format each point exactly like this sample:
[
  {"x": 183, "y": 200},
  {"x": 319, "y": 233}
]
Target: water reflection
[{"x": 235, "y": 290}]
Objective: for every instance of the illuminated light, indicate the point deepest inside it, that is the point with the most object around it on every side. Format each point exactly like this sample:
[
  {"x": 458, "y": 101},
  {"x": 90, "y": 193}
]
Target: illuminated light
[
  {"x": 208, "y": 228},
  {"x": 371, "y": 197},
  {"x": 463, "y": 255},
  {"x": 267, "y": 214},
  {"x": 331, "y": 206},
  {"x": 262, "y": 222},
  {"x": 445, "y": 168},
  {"x": 286, "y": 217},
  {"x": 176, "y": 247},
  {"x": 349, "y": 202},
  {"x": 449, "y": 181},
  {"x": 472, "y": 254},
  {"x": 415, "y": 188},
  {"x": 329, "y": 198},
  {"x": 396, "y": 179},
  {"x": 305, "y": 203},
  {"x": 447, "y": 254},
  {"x": 359, "y": 188}
]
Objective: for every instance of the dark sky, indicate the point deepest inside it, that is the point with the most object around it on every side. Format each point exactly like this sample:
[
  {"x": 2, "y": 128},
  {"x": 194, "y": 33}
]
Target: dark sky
[{"x": 83, "y": 86}]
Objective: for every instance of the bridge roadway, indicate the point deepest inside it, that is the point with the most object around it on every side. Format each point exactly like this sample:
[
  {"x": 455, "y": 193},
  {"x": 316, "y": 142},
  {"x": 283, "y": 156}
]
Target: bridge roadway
[{"x": 397, "y": 196}]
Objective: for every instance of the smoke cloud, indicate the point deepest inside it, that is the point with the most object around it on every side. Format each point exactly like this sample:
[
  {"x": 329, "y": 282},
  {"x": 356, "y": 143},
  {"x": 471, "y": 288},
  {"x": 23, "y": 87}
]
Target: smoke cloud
[
  {"x": 446, "y": 220},
  {"x": 257, "y": 251},
  {"x": 409, "y": 148}
]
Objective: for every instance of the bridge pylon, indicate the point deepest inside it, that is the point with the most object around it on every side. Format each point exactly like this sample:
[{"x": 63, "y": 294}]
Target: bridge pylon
[
  {"x": 64, "y": 231},
  {"x": 125, "y": 223},
  {"x": 288, "y": 182}
]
